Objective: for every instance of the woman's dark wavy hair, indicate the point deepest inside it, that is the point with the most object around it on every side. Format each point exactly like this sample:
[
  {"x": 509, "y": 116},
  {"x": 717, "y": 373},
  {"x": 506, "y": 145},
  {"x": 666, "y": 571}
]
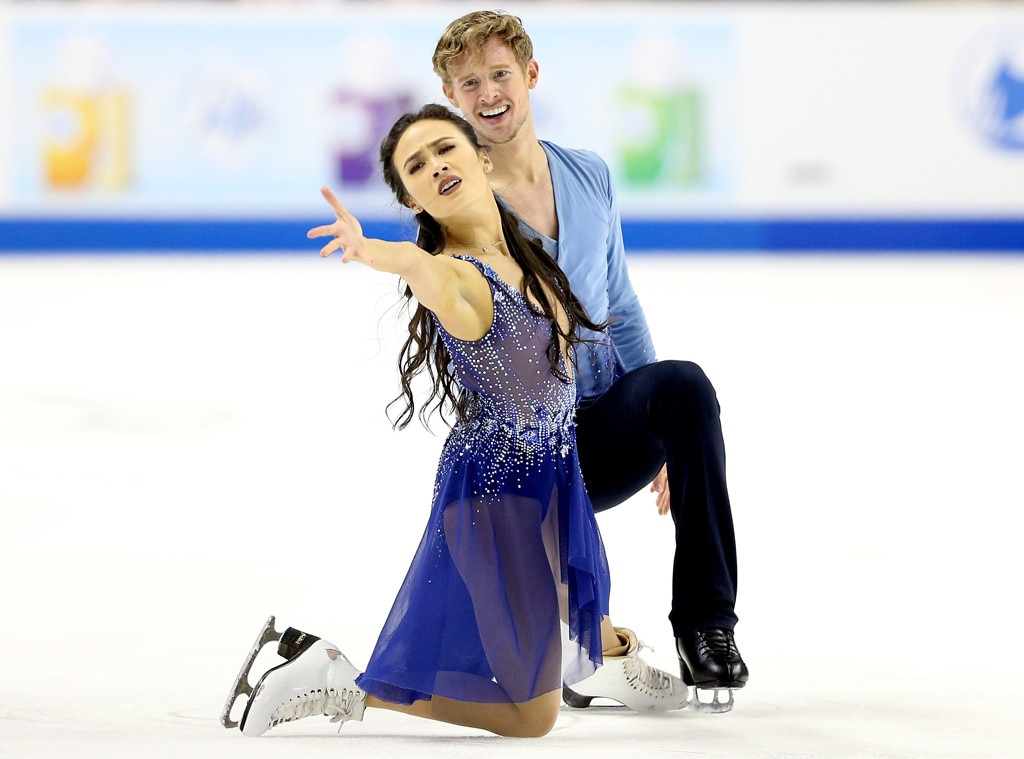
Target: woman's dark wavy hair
[{"x": 423, "y": 349}]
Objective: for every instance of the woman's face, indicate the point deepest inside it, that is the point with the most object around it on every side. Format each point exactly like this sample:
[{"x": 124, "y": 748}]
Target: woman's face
[{"x": 442, "y": 171}]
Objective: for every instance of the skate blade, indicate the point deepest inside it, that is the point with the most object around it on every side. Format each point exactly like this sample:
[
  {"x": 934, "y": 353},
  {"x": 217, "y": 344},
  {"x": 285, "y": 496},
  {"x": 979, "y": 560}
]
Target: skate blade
[
  {"x": 241, "y": 687},
  {"x": 715, "y": 706}
]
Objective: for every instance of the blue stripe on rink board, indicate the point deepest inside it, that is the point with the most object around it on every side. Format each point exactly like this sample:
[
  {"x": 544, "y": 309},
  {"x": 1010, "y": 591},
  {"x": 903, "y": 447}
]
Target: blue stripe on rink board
[
  {"x": 137, "y": 235},
  {"x": 828, "y": 234}
]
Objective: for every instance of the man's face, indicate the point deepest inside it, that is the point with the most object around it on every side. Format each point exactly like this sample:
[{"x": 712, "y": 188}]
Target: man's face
[{"x": 492, "y": 91}]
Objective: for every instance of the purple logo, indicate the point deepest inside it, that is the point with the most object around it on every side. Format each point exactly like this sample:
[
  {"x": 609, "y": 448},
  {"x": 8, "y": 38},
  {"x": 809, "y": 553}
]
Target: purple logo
[{"x": 361, "y": 121}]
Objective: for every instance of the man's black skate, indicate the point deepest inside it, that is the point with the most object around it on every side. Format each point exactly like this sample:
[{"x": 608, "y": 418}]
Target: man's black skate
[{"x": 710, "y": 660}]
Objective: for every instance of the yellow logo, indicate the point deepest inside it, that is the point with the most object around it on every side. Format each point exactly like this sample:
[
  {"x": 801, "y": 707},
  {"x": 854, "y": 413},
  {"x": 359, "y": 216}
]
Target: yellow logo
[{"x": 88, "y": 139}]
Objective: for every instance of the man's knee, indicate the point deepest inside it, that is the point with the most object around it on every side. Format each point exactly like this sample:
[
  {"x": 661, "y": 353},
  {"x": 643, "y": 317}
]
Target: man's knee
[{"x": 684, "y": 387}]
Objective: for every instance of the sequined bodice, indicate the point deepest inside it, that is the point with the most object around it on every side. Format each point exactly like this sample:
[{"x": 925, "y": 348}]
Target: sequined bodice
[{"x": 508, "y": 373}]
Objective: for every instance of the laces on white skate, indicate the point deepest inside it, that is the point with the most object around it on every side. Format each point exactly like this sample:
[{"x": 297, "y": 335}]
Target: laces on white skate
[
  {"x": 340, "y": 705},
  {"x": 644, "y": 677},
  {"x": 349, "y": 704}
]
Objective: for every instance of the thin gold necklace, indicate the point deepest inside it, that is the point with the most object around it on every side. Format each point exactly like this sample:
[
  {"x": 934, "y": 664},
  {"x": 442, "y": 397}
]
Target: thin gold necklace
[{"x": 484, "y": 248}]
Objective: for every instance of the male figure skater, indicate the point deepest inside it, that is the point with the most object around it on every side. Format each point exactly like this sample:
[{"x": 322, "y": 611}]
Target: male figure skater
[{"x": 641, "y": 421}]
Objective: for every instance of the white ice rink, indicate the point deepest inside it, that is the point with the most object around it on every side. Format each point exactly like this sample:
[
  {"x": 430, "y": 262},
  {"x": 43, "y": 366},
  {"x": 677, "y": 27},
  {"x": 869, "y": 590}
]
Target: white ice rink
[{"x": 188, "y": 444}]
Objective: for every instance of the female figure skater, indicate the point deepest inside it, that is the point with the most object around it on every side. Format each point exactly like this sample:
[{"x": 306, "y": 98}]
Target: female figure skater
[{"x": 511, "y": 546}]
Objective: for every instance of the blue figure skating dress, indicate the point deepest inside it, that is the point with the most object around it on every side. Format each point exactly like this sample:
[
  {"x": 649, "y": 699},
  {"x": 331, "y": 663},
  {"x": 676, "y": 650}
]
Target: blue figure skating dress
[{"x": 511, "y": 546}]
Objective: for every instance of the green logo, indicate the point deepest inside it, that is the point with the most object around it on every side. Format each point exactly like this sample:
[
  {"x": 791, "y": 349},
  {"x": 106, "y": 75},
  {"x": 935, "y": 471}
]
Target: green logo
[{"x": 663, "y": 142}]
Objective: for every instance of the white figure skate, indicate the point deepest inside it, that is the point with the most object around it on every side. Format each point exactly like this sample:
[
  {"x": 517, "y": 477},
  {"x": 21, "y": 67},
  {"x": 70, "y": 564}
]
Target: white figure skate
[
  {"x": 629, "y": 680},
  {"x": 315, "y": 679}
]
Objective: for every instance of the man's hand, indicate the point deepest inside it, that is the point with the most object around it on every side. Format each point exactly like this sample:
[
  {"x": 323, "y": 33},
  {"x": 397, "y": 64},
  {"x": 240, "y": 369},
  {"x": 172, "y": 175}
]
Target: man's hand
[{"x": 660, "y": 486}]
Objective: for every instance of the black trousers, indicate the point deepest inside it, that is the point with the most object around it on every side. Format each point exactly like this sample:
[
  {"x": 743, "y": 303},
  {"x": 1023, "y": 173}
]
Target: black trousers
[{"x": 668, "y": 413}]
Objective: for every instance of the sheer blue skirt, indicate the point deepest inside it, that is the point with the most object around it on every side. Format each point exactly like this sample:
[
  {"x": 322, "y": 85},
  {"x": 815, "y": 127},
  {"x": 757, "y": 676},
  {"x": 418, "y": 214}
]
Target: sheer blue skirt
[{"x": 508, "y": 553}]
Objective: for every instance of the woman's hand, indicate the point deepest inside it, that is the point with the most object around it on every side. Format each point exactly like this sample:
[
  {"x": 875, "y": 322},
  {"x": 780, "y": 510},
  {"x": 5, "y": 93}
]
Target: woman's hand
[{"x": 346, "y": 231}]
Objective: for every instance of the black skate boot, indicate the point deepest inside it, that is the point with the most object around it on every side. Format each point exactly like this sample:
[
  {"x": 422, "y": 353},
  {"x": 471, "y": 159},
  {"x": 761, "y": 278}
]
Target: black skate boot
[{"x": 710, "y": 660}]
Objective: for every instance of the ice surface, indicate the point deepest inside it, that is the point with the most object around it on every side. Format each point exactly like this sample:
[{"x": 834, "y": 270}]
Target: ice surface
[{"x": 188, "y": 444}]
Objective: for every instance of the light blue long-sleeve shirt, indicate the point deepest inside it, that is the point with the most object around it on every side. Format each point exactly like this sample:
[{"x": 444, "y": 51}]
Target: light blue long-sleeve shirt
[{"x": 589, "y": 250}]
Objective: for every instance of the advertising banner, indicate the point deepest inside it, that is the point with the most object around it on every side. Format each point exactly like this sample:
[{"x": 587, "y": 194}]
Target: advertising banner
[{"x": 708, "y": 115}]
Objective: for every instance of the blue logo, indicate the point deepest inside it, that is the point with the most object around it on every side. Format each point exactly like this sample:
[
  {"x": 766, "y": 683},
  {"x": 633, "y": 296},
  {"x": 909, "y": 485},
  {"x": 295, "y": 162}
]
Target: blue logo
[{"x": 988, "y": 87}]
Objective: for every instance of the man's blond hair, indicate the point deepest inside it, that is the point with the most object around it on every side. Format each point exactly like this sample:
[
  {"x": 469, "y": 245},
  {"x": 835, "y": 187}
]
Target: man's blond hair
[{"x": 470, "y": 32}]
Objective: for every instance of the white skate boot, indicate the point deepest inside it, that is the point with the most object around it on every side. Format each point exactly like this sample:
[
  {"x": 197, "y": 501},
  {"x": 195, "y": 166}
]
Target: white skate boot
[
  {"x": 629, "y": 680},
  {"x": 315, "y": 679}
]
